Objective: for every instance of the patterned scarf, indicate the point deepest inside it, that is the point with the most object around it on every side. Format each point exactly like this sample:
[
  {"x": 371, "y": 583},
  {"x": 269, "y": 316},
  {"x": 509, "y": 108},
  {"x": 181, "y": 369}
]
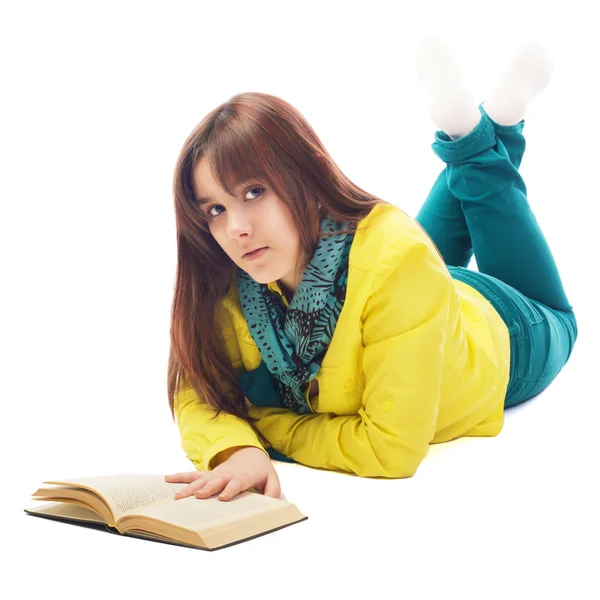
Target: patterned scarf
[{"x": 293, "y": 341}]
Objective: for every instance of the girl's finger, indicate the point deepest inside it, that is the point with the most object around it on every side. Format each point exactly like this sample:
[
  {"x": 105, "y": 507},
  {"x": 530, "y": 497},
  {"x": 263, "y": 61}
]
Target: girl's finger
[
  {"x": 212, "y": 487},
  {"x": 188, "y": 490},
  {"x": 233, "y": 488}
]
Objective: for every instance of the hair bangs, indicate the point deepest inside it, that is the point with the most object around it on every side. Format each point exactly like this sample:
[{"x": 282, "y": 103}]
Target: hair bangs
[{"x": 237, "y": 154}]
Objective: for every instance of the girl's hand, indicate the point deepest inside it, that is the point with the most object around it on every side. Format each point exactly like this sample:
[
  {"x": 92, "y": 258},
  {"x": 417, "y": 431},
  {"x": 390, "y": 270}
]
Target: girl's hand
[{"x": 248, "y": 467}]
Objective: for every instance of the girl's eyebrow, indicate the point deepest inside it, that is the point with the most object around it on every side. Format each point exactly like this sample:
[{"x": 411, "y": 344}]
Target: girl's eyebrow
[{"x": 201, "y": 201}]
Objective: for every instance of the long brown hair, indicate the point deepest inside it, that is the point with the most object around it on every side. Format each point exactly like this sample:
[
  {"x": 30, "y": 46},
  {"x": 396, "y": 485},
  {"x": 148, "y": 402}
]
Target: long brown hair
[{"x": 252, "y": 135}]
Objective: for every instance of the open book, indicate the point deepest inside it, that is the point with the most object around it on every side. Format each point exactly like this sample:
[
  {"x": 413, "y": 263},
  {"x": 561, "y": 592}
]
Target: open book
[{"x": 144, "y": 506}]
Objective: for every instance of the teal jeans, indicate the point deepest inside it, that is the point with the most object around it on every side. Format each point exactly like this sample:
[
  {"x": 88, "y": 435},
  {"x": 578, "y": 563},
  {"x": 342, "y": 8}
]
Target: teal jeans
[{"x": 478, "y": 205}]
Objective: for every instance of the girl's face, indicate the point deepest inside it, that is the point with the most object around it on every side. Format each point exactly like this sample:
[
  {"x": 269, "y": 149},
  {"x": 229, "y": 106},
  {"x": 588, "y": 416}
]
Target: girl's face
[{"x": 254, "y": 217}]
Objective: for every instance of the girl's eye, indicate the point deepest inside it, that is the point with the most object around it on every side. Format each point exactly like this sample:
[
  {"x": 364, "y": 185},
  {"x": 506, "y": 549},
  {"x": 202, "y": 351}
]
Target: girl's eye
[
  {"x": 255, "y": 188},
  {"x": 252, "y": 189}
]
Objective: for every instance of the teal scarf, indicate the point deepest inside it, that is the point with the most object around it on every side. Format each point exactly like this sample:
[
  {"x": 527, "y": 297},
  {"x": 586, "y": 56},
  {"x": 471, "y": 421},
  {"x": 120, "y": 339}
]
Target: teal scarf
[{"x": 293, "y": 341}]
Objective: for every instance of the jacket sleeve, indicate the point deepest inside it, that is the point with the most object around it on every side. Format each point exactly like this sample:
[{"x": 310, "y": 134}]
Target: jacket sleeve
[
  {"x": 405, "y": 322},
  {"x": 203, "y": 437}
]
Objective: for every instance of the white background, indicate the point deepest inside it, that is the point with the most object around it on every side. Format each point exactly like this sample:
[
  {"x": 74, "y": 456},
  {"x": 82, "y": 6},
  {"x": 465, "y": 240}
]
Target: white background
[{"x": 97, "y": 99}]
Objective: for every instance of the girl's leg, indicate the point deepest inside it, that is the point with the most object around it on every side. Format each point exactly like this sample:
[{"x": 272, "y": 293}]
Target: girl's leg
[
  {"x": 453, "y": 109},
  {"x": 518, "y": 274},
  {"x": 442, "y": 218},
  {"x": 507, "y": 240},
  {"x": 441, "y": 215}
]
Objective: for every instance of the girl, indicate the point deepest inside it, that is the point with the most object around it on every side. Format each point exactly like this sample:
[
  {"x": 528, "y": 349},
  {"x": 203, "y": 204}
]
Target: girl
[{"x": 316, "y": 323}]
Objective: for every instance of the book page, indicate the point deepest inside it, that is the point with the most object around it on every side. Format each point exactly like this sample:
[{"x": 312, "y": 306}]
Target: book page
[
  {"x": 198, "y": 514},
  {"x": 128, "y": 491}
]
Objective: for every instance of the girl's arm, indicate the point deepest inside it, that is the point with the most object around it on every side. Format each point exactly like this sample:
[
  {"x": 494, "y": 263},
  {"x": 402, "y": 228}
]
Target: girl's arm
[{"x": 208, "y": 440}]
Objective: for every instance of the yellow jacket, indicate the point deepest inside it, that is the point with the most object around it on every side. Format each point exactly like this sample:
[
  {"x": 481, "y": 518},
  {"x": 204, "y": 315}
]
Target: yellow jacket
[{"x": 416, "y": 358}]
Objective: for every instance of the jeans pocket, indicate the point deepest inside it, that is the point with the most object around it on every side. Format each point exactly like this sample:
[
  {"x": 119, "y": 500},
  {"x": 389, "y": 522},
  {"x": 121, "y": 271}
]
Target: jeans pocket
[
  {"x": 514, "y": 328},
  {"x": 527, "y": 308}
]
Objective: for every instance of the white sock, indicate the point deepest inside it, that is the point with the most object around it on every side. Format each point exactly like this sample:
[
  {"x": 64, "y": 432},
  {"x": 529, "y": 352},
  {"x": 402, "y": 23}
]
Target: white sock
[
  {"x": 526, "y": 75},
  {"x": 452, "y": 107}
]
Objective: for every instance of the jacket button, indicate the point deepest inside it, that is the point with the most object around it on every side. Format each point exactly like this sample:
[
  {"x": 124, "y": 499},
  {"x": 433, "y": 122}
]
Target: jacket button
[
  {"x": 249, "y": 337},
  {"x": 348, "y": 385},
  {"x": 386, "y": 405}
]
